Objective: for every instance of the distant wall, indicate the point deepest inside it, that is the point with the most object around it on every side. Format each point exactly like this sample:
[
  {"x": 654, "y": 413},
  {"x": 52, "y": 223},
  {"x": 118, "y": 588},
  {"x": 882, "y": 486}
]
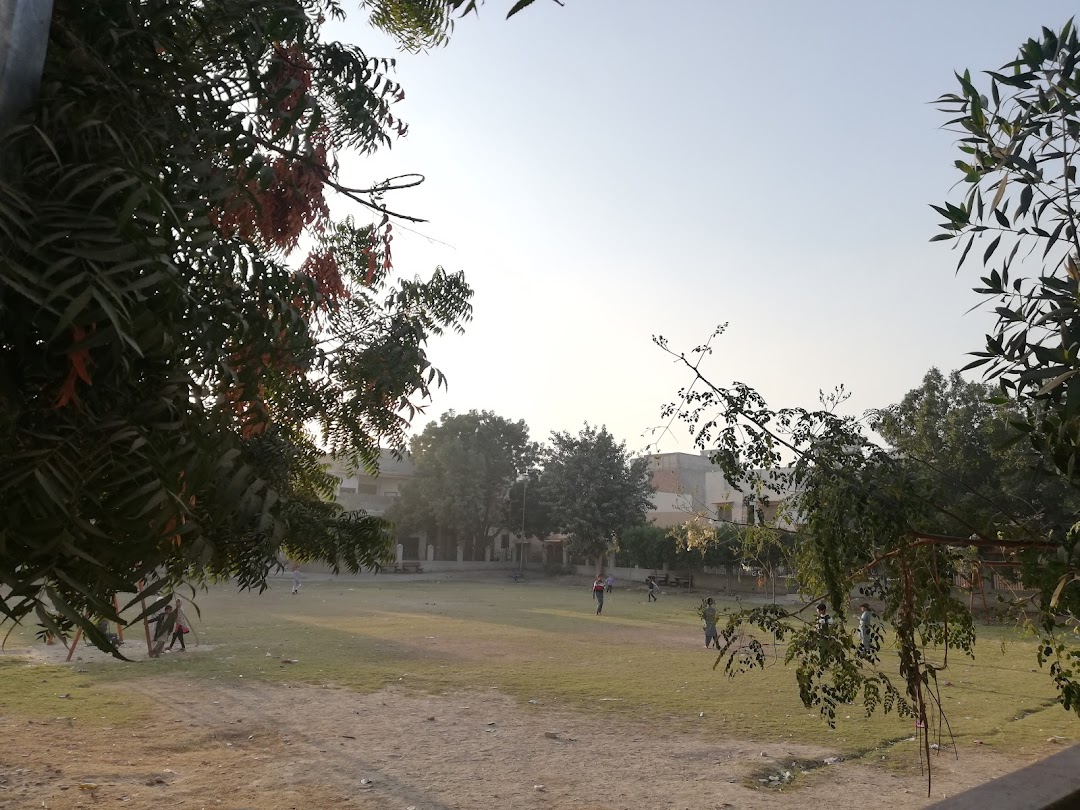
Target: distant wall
[
  {"x": 428, "y": 566},
  {"x": 714, "y": 583},
  {"x": 454, "y": 565}
]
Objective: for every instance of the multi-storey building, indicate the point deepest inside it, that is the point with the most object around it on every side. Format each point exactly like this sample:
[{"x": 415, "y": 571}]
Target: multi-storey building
[
  {"x": 373, "y": 494},
  {"x": 688, "y": 484}
]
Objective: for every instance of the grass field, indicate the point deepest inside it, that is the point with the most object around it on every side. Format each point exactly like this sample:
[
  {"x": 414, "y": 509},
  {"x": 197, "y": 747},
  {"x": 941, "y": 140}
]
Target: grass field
[{"x": 541, "y": 642}]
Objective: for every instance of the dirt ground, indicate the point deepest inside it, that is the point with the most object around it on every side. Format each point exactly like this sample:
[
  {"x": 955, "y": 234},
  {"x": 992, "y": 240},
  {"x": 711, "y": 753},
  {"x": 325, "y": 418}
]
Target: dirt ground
[{"x": 242, "y": 746}]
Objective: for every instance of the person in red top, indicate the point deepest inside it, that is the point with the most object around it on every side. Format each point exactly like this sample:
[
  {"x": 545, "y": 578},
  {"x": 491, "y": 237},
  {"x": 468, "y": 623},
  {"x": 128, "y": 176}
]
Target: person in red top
[{"x": 598, "y": 593}]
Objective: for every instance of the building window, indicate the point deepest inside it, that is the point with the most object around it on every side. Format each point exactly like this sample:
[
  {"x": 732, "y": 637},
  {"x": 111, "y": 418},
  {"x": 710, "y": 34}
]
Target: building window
[
  {"x": 724, "y": 511},
  {"x": 751, "y": 513},
  {"x": 367, "y": 489},
  {"x": 771, "y": 512},
  {"x": 347, "y": 489}
]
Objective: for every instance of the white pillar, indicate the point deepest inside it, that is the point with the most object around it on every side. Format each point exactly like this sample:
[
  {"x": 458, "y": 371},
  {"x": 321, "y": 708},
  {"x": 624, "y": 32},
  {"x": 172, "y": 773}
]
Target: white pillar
[
  {"x": 399, "y": 552},
  {"x": 487, "y": 553},
  {"x": 565, "y": 555},
  {"x": 430, "y": 552},
  {"x": 460, "y": 553}
]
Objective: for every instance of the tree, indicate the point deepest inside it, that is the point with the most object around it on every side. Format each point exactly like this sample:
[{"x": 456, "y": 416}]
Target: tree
[
  {"x": 646, "y": 545},
  {"x": 874, "y": 515},
  {"x": 526, "y": 500},
  {"x": 1019, "y": 142},
  {"x": 961, "y": 433},
  {"x": 163, "y": 344},
  {"x": 465, "y": 466},
  {"x": 864, "y": 512},
  {"x": 594, "y": 489}
]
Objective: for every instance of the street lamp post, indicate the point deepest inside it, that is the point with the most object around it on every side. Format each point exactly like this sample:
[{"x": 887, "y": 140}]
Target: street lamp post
[{"x": 524, "y": 491}]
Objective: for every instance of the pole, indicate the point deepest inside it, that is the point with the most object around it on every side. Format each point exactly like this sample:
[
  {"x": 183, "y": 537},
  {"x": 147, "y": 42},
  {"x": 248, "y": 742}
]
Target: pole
[
  {"x": 74, "y": 644},
  {"x": 524, "y": 492},
  {"x": 119, "y": 626},
  {"x": 24, "y": 37},
  {"x": 145, "y": 623}
]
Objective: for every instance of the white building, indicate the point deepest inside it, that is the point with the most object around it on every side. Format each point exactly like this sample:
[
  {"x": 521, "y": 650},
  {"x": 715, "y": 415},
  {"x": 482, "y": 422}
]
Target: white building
[
  {"x": 688, "y": 484},
  {"x": 373, "y": 494}
]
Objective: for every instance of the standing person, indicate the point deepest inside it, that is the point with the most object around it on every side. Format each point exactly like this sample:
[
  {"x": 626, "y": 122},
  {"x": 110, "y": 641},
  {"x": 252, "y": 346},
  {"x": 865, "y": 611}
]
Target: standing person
[
  {"x": 296, "y": 578},
  {"x": 598, "y": 593},
  {"x": 180, "y": 628},
  {"x": 708, "y": 614},
  {"x": 824, "y": 620},
  {"x": 651, "y": 582},
  {"x": 866, "y": 619},
  {"x": 609, "y": 583},
  {"x": 164, "y": 623}
]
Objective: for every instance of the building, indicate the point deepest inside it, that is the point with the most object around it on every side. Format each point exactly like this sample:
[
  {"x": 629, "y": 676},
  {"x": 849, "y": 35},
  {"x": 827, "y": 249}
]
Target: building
[
  {"x": 687, "y": 484},
  {"x": 373, "y": 494}
]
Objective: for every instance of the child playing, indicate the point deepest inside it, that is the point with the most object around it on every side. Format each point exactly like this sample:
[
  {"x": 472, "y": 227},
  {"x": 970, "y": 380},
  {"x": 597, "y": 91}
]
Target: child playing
[
  {"x": 708, "y": 615},
  {"x": 598, "y": 593},
  {"x": 866, "y": 619}
]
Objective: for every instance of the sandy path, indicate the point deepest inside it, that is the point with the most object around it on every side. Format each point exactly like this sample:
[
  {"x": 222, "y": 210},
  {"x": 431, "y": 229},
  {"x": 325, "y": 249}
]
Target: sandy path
[{"x": 255, "y": 745}]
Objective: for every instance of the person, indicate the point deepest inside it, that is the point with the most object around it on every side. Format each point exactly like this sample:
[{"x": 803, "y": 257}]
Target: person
[
  {"x": 609, "y": 583},
  {"x": 103, "y": 626},
  {"x": 824, "y": 620},
  {"x": 709, "y": 615},
  {"x": 296, "y": 578},
  {"x": 598, "y": 593},
  {"x": 866, "y": 619},
  {"x": 651, "y": 582},
  {"x": 179, "y": 629},
  {"x": 164, "y": 623}
]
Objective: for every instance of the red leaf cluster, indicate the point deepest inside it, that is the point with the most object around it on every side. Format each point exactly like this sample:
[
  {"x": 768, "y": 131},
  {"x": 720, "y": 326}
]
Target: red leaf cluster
[
  {"x": 276, "y": 215},
  {"x": 322, "y": 266},
  {"x": 79, "y": 363},
  {"x": 289, "y": 82}
]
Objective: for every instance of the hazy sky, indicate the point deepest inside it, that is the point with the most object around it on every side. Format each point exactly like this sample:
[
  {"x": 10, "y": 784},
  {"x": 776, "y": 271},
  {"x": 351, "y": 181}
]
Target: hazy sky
[{"x": 617, "y": 169}]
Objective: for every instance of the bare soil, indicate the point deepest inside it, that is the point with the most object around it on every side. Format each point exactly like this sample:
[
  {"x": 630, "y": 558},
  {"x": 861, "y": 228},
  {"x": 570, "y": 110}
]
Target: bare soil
[{"x": 246, "y": 745}]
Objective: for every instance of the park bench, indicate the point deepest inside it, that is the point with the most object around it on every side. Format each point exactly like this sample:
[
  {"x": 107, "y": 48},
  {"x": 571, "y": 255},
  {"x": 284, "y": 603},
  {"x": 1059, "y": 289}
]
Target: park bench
[
  {"x": 675, "y": 579},
  {"x": 408, "y": 567}
]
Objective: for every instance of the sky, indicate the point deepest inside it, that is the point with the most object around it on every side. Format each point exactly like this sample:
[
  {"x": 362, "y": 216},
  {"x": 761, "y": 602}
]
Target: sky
[{"x": 612, "y": 170}]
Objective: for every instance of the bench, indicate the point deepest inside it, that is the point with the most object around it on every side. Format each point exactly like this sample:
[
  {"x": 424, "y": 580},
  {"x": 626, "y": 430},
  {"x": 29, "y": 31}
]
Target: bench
[
  {"x": 676, "y": 579},
  {"x": 408, "y": 567}
]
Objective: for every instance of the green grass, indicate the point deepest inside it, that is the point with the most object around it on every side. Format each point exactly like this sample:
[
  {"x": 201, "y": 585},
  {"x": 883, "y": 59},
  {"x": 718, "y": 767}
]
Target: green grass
[
  {"x": 543, "y": 642},
  {"x": 55, "y": 693}
]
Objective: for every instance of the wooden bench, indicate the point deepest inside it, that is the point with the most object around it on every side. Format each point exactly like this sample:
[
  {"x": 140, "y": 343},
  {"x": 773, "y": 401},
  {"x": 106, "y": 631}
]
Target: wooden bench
[
  {"x": 675, "y": 579},
  {"x": 408, "y": 567}
]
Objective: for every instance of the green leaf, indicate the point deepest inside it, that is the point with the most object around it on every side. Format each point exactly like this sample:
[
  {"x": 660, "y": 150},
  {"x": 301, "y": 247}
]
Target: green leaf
[{"x": 519, "y": 6}]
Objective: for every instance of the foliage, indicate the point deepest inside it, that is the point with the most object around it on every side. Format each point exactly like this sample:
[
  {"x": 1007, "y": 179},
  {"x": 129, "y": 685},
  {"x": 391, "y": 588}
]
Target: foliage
[
  {"x": 868, "y": 517},
  {"x": 527, "y": 506},
  {"x": 465, "y": 466},
  {"x": 647, "y": 546},
  {"x": 1020, "y": 138},
  {"x": 971, "y": 479},
  {"x": 163, "y": 344},
  {"x": 594, "y": 489},
  {"x": 961, "y": 432}
]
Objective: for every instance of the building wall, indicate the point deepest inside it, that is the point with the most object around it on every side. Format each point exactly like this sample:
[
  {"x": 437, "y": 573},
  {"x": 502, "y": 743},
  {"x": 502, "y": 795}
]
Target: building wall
[
  {"x": 373, "y": 494},
  {"x": 687, "y": 484}
]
